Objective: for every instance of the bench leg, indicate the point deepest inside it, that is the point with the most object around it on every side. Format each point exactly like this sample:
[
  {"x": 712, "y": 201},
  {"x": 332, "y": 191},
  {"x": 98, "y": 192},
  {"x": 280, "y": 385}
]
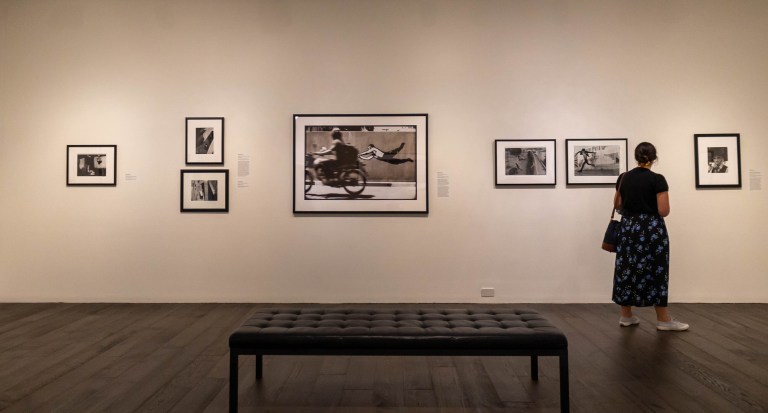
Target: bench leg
[
  {"x": 259, "y": 368},
  {"x": 565, "y": 404},
  {"x": 232, "y": 382},
  {"x": 534, "y": 367}
]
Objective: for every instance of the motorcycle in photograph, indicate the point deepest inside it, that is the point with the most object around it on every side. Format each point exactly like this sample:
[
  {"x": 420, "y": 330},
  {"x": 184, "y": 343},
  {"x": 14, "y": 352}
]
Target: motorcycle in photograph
[{"x": 351, "y": 177}]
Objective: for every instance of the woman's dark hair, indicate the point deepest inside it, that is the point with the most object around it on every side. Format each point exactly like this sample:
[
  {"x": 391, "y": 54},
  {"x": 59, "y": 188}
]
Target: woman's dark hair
[{"x": 645, "y": 153}]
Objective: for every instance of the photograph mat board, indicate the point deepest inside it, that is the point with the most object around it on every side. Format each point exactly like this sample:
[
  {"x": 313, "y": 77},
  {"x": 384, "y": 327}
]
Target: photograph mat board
[
  {"x": 725, "y": 144},
  {"x": 402, "y": 128},
  {"x": 525, "y": 162},
  {"x": 606, "y": 160},
  {"x": 107, "y": 153}
]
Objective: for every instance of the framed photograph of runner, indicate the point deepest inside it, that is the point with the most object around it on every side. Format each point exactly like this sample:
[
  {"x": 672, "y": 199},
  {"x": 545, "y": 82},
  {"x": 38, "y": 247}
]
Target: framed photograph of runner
[
  {"x": 204, "y": 141},
  {"x": 525, "y": 162},
  {"x": 718, "y": 160},
  {"x": 360, "y": 164},
  {"x": 91, "y": 165},
  {"x": 595, "y": 161},
  {"x": 204, "y": 190}
]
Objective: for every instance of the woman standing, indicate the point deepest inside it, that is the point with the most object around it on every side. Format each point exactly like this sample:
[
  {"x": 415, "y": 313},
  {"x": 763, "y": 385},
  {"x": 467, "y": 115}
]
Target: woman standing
[{"x": 641, "y": 276}]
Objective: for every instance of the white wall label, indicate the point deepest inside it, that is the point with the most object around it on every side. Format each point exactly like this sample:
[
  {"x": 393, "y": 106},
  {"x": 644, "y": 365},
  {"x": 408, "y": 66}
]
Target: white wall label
[
  {"x": 131, "y": 177},
  {"x": 443, "y": 185},
  {"x": 243, "y": 170},
  {"x": 755, "y": 180}
]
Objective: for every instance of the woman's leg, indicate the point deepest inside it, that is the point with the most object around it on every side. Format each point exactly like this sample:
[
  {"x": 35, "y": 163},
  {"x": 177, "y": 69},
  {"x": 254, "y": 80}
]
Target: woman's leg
[
  {"x": 662, "y": 314},
  {"x": 626, "y": 311}
]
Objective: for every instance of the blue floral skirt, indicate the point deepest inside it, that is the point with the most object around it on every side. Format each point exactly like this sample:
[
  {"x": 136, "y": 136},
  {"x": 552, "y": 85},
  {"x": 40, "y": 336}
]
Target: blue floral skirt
[{"x": 641, "y": 276}]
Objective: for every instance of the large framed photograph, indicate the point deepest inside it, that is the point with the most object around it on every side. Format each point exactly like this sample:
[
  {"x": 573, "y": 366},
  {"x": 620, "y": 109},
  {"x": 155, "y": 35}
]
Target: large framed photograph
[
  {"x": 525, "y": 162},
  {"x": 205, "y": 190},
  {"x": 595, "y": 161},
  {"x": 360, "y": 163},
  {"x": 718, "y": 160},
  {"x": 92, "y": 165},
  {"x": 204, "y": 142}
]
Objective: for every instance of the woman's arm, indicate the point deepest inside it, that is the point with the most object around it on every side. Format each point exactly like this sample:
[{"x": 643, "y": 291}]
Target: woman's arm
[
  {"x": 662, "y": 201},
  {"x": 617, "y": 200}
]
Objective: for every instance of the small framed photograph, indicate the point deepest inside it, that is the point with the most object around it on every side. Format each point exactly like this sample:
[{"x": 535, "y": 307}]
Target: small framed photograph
[
  {"x": 205, "y": 190},
  {"x": 525, "y": 162},
  {"x": 360, "y": 163},
  {"x": 595, "y": 161},
  {"x": 92, "y": 165},
  {"x": 718, "y": 160},
  {"x": 205, "y": 141}
]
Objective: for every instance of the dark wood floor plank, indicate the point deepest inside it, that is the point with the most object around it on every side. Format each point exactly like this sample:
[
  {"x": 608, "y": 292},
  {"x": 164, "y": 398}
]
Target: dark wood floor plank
[
  {"x": 389, "y": 383},
  {"x": 174, "y": 357},
  {"x": 359, "y": 375},
  {"x": 416, "y": 374},
  {"x": 137, "y": 388},
  {"x": 448, "y": 390},
  {"x": 77, "y": 385}
]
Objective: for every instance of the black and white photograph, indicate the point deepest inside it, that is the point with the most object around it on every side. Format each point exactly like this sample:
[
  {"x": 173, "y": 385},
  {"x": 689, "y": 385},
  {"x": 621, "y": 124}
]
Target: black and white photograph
[
  {"x": 205, "y": 190},
  {"x": 91, "y": 165},
  {"x": 525, "y": 162},
  {"x": 360, "y": 163},
  {"x": 595, "y": 161},
  {"x": 718, "y": 160},
  {"x": 204, "y": 141}
]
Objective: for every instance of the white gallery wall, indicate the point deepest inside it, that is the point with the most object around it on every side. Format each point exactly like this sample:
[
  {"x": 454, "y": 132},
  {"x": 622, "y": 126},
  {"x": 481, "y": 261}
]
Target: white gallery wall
[{"x": 129, "y": 72}]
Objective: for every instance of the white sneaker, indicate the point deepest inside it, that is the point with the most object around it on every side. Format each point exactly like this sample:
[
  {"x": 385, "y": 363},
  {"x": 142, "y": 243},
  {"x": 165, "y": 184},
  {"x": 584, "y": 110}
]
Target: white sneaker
[
  {"x": 671, "y": 325},
  {"x": 628, "y": 321}
]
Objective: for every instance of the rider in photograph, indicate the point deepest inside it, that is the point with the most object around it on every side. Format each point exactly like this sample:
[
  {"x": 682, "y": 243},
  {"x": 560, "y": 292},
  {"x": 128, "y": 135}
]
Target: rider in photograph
[{"x": 345, "y": 155}]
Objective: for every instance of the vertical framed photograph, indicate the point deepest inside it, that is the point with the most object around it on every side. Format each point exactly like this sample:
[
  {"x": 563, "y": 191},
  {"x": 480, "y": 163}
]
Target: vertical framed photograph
[
  {"x": 360, "y": 163},
  {"x": 525, "y": 162},
  {"x": 204, "y": 141},
  {"x": 205, "y": 190},
  {"x": 92, "y": 165},
  {"x": 595, "y": 161},
  {"x": 718, "y": 160}
]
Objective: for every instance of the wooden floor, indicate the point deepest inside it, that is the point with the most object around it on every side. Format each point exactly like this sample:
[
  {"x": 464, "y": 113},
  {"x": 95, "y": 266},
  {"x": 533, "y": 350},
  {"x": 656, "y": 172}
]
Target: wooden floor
[{"x": 174, "y": 358}]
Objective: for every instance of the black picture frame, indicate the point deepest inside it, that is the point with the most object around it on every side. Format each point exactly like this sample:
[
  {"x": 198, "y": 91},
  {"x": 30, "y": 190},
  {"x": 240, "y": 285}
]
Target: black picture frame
[
  {"x": 606, "y": 158},
  {"x": 91, "y": 165},
  {"x": 525, "y": 162},
  {"x": 718, "y": 160},
  {"x": 385, "y": 173},
  {"x": 204, "y": 190},
  {"x": 204, "y": 141}
]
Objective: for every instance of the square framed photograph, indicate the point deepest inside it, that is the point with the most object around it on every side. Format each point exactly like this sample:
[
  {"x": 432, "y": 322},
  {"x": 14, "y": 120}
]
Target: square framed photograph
[
  {"x": 595, "y": 161},
  {"x": 525, "y": 162},
  {"x": 204, "y": 190},
  {"x": 360, "y": 163},
  {"x": 718, "y": 160},
  {"x": 92, "y": 165},
  {"x": 204, "y": 143}
]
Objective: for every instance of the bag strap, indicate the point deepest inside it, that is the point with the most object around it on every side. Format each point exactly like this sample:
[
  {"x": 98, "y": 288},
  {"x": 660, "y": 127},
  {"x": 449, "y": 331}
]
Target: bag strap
[{"x": 613, "y": 211}]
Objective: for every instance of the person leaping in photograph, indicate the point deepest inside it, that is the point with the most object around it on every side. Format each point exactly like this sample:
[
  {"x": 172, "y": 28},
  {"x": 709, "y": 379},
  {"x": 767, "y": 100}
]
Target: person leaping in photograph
[
  {"x": 375, "y": 153},
  {"x": 585, "y": 154}
]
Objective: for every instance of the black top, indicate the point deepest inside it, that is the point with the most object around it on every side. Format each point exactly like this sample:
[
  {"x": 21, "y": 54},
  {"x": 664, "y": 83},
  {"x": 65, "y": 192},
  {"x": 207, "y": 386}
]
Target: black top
[{"x": 639, "y": 189}]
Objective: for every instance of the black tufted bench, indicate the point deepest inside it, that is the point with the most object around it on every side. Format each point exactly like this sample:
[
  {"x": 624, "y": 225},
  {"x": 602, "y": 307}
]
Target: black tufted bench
[{"x": 371, "y": 331}]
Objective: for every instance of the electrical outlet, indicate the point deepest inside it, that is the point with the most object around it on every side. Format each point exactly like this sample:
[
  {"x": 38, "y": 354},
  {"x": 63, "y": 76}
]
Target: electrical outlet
[{"x": 487, "y": 292}]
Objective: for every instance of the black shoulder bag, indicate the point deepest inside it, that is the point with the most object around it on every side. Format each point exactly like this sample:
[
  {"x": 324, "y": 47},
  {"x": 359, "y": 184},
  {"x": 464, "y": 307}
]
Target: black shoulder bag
[{"x": 611, "y": 237}]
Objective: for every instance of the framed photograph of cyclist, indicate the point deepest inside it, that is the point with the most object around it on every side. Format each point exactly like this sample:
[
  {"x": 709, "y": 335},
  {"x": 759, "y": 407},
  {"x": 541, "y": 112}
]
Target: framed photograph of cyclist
[
  {"x": 204, "y": 141},
  {"x": 91, "y": 165},
  {"x": 594, "y": 161},
  {"x": 360, "y": 163},
  {"x": 525, "y": 162},
  {"x": 718, "y": 160},
  {"x": 204, "y": 190}
]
